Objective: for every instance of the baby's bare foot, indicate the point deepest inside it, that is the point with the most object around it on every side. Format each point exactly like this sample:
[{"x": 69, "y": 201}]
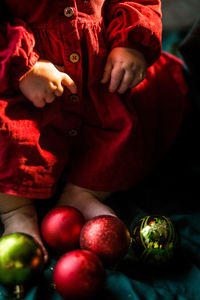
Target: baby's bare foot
[
  {"x": 23, "y": 219},
  {"x": 87, "y": 201}
]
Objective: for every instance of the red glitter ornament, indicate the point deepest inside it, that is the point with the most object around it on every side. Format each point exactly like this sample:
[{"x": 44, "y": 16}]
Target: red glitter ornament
[
  {"x": 61, "y": 228},
  {"x": 107, "y": 236},
  {"x": 79, "y": 274}
]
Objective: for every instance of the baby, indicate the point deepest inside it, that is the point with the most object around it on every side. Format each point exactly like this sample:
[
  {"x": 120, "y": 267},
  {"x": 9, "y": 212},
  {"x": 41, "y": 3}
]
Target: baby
[
  {"x": 72, "y": 106},
  {"x": 41, "y": 85}
]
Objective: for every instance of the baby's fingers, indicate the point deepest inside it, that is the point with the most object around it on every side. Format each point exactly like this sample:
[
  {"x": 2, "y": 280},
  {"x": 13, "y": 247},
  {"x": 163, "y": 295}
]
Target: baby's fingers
[
  {"x": 117, "y": 75},
  {"x": 107, "y": 72},
  {"x": 139, "y": 77},
  {"x": 126, "y": 82},
  {"x": 49, "y": 96},
  {"x": 57, "y": 88},
  {"x": 38, "y": 101},
  {"x": 69, "y": 83}
]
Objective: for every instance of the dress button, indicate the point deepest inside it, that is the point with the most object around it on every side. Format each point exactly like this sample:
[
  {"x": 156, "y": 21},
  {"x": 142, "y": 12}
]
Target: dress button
[
  {"x": 72, "y": 132},
  {"x": 74, "y": 57},
  {"x": 68, "y": 12},
  {"x": 74, "y": 98}
]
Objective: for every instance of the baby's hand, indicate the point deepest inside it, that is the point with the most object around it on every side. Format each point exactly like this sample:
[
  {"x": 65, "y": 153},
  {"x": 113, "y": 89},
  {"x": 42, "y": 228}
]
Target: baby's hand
[
  {"x": 43, "y": 82},
  {"x": 125, "y": 68}
]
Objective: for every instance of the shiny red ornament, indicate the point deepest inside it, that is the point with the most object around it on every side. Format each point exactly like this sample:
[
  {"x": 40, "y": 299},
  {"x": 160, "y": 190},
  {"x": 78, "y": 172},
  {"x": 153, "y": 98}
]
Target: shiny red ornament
[
  {"x": 78, "y": 274},
  {"x": 61, "y": 228},
  {"x": 107, "y": 236}
]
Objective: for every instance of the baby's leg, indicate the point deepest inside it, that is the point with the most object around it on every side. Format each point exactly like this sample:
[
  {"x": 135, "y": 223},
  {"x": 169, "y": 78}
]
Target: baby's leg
[
  {"x": 87, "y": 201},
  {"x": 19, "y": 215}
]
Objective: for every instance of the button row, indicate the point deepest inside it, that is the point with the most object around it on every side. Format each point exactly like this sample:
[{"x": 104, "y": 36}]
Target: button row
[{"x": 74, "y": 58}]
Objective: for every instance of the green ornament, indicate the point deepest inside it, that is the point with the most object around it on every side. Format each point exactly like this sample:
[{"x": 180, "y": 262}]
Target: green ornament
[
  {"x": 21, "y": 259},
  {"x": 154, "y": 240}
]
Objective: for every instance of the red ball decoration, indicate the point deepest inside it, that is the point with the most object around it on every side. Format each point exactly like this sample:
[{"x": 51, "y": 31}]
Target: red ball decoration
[
  {"x": 107, "y": 236},
  {"x": 61, "y": 228},
  {"x": 78, "y": 274}
]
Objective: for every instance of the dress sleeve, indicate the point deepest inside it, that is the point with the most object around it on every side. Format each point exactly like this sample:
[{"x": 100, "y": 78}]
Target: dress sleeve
[
  {"x": 135, "y": 24},
  {"x": 17, "y": 54}
]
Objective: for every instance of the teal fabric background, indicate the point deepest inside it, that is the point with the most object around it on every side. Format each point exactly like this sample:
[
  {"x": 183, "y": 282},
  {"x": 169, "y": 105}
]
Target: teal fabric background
[{"x": 171, "y": 190}]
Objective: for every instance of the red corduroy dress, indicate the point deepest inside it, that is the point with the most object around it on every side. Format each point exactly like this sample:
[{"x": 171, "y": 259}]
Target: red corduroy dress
[{"x": 102, "y": 141}]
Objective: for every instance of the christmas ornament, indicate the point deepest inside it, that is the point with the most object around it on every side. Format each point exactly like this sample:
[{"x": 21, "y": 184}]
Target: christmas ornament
[
  {"x": 78, "y": 274},
  {"x": 107, "y": 236},
  {"x": 61, "y": 228},
  {"x": 21, "y": 259},
  {"x": 154, "y": 240}
]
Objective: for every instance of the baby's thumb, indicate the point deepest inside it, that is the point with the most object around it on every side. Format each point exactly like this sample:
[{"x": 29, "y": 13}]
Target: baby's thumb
[{"x": 69, "y": 83}]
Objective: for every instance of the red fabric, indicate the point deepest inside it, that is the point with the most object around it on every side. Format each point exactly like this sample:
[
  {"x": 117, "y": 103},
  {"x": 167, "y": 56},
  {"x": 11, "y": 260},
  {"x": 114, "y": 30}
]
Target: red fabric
[{"x": 120, "y": 138}]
